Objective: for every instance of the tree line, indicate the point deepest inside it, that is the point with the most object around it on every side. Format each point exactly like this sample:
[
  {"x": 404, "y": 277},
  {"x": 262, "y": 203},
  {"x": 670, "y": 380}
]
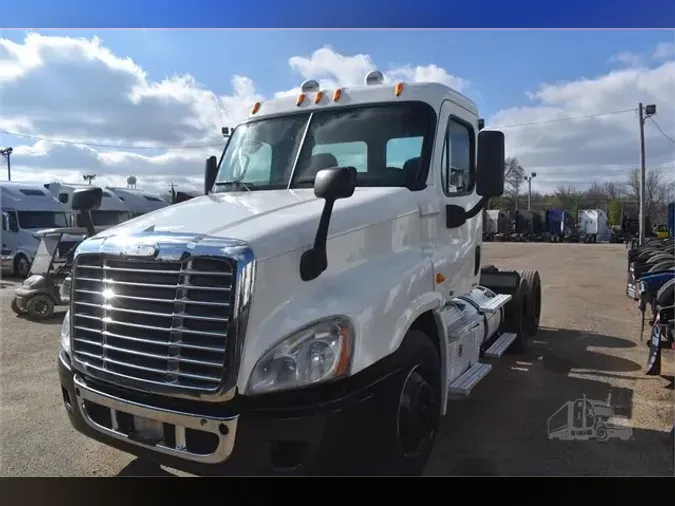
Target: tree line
[{"x": 615, "y": 198}]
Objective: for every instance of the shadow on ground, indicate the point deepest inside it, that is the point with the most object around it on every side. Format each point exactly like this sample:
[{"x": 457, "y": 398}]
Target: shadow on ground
[{"x": 502, "y": 429}]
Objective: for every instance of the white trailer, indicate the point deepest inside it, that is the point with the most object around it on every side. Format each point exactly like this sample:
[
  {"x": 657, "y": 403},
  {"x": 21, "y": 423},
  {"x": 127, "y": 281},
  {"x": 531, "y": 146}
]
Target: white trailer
[
  {"x": 318, "y": 309},
  {"x": 138, "y": 202},
  {"x": 26, "y": 209},
  {"x": 593, "y": 225},
  {"x": 112, "y": 211}
]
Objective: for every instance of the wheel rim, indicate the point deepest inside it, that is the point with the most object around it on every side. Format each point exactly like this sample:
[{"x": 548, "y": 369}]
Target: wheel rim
[
  {"x": 23, "y": 266},
  {"x": 41, "y": 307},
  {"x": 417, "y": 412}
]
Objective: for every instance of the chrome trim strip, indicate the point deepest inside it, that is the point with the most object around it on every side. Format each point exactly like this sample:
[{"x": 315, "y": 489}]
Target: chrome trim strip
[
  {"x": 181, "y": 421},
  {"x": 180, "y": 247}
]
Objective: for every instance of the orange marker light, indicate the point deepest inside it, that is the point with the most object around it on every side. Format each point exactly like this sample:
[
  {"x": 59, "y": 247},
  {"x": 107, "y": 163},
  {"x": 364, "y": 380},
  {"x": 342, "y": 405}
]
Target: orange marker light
[
  {"x": 318, "y": 97},
  {"x": 439, "y": 278},
  {"x": 398, "y": 89},
  {"x": 255, "y": 108},
  {"x": 300, "y": 99},
  {"x": 337, "y": 94}
]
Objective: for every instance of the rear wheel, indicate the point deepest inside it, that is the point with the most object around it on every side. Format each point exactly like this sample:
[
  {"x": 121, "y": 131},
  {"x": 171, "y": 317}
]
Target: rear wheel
[
  {"x": 531, "y": 324},
  {"x": 16, "y": 308},
  {"x": 40, "y": 307},
  {"x": 21, "y": 266},
  {"x": 411, "y": 411}
]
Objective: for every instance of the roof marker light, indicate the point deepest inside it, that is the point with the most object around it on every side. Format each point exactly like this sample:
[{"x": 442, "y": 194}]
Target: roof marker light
[
  {"x": 255, "y": 108},
  {"x": 318, "y": 97},
  {"x": 337, "y": 94},
  {"x": 398, "y": 89},
  {"x": 300, "y": 99}
]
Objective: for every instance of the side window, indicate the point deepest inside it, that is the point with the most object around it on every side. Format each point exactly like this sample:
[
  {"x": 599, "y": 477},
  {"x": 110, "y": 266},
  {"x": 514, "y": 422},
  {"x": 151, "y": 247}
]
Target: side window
[
  {"x": 12, "y": 221},
  {"x": 63, "y": 198},
  {"x": 348, "y": 154},
  {"x": 402, "y": 150},
  {"x": 457, "y": 161}
]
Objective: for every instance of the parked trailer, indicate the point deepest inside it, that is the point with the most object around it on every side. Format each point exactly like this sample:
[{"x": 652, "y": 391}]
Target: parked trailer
[
  {"x": 495, "y": 224},
  {"x": 138, "y": 202},
  {"x": 26, "y": 209},
  {"x": 671, "y": 220},
  {"x": 593, "y": 225},
  {"x": 293, "y": 338},
  {"x": 559, "y": 224}
]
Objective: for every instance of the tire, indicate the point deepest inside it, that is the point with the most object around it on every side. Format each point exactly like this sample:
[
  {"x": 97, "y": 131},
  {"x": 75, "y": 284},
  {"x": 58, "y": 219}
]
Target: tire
[
  {"x": 662, "y": 266},
  {"x": 660, "y": 257},
  {"x": 403, "y": 452},
  {"x": 16, "y": 309},
  {"x": 21, "y": 266},
  {"x": 665, "y": 296},
  {"x": 515, "y": 315},
  {"x": 40, "y": 307},
  {"x": 531, "y": 324},
  {"x": 601, "y": 433}
]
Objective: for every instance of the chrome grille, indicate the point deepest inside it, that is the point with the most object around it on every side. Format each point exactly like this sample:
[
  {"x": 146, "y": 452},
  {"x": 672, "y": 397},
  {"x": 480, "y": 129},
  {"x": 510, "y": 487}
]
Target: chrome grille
[{"x": 153, "y": 322}]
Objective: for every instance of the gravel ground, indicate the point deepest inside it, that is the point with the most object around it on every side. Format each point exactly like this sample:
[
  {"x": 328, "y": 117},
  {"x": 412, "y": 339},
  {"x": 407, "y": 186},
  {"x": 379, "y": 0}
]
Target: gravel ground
[{"x": 588, "y": 344}]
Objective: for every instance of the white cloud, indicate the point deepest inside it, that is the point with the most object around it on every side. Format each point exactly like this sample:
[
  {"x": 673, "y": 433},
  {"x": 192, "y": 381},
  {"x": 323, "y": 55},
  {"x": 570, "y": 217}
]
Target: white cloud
[
  {"x": 77, "y": 90},
  {"x": 664, "y": 51}
]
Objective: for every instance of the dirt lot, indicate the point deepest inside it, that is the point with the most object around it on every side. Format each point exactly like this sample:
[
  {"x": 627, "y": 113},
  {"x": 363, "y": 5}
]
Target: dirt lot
[{"x": 589, "y": 345}]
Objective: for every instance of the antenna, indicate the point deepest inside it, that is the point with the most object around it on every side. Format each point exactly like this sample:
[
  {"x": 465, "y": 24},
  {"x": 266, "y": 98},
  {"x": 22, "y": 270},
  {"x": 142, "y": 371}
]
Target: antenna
[{"x": 89, "y": 178}]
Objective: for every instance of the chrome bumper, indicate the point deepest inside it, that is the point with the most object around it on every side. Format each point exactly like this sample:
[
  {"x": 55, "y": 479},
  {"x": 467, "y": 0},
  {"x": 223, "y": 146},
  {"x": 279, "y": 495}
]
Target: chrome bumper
[
  {"x": 223, "y": 428},
  {"x": 7, "y": 262}
]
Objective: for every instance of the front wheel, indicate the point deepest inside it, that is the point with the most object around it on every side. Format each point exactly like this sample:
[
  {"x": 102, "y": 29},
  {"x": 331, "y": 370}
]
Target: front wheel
[
  {"x": 21, "y": 266},
  {"x": 40, "y": 307},
  {"x": 412, "y": 410}
]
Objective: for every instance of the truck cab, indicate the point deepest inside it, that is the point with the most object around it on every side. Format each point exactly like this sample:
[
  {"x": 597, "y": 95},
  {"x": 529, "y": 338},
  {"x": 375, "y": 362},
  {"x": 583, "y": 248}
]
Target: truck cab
[
  {"x": 138, "y": 202},
  {"x": 111, "y": 211},
  {"x": 316, "y": 310},
  {"x": 26, "y": 209}
]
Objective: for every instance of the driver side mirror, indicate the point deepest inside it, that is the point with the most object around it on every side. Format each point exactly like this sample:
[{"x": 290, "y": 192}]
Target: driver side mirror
[
  {"x": 490, "y": 169},
  {"x": 5, "y": 222},
  {"x": 87, "y": 199},
  {"x": 210, "y": 173}
]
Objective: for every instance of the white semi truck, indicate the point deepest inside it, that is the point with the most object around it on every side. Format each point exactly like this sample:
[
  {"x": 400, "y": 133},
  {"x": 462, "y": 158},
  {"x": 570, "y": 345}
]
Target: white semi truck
[{"x": 313, "y": 313}]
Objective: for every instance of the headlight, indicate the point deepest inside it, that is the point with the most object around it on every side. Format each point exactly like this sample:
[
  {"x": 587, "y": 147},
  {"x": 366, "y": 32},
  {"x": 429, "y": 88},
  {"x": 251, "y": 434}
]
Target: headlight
[
  {"x": 65, "y": 332},
  {"x": 64, "y": 291},
  {"x": 321, "y": 352}
]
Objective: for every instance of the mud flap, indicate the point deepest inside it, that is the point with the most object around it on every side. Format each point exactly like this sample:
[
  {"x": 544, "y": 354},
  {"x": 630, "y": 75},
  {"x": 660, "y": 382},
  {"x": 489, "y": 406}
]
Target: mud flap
[{"x": 654, "y": 360}]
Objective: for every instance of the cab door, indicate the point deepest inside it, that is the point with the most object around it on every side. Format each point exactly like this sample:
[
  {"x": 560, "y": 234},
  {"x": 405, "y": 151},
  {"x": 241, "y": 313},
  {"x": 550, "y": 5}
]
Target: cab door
[{"x": 457, "y": 263}]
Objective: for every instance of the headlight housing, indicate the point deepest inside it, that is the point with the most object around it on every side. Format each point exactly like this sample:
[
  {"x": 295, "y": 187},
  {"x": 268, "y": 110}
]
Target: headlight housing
[
  {"x": 318, "y": 353},
  {"x": 65, "y": 332},
  {"x": 64, "y": 290}
]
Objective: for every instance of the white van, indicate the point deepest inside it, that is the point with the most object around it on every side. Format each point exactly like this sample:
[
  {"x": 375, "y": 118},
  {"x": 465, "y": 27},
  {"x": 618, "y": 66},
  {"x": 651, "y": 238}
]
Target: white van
[
  {"x": 138, "y": 202},
  {"x": 26, "y": 209},
  {"x": 113, "y": 211}
]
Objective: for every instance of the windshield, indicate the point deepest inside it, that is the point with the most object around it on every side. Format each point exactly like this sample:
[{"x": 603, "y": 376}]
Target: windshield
[
  {"x": 42, "y": 219},
  {"x": 387, "y": 144}
]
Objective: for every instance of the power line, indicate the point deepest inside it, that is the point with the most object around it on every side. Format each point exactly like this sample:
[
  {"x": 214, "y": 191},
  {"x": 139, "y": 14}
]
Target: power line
[
  {"x": 110, "y": 146},
  {"x": 661, "y": 130},
  {"x": 567, "y": 118}
]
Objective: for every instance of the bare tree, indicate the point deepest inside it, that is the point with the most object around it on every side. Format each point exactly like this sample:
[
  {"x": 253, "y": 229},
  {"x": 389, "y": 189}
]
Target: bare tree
[
  {"x": 567, "y": 198},
  {"x": 514, "y": 175},
  {"x": 657, "y": 189},
  {"x": 595, "y": 195},
  {"x": 614, "y": 191}
]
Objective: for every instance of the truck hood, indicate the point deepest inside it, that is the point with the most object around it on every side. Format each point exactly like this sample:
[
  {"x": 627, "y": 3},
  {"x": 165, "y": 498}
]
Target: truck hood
[{"x": 273, "y": 222}]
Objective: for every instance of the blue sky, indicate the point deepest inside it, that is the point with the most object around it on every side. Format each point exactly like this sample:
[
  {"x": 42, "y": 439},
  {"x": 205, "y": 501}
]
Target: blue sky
[
  {"x": 501, "y": 67},
  {"x": 501, "y": 64}
]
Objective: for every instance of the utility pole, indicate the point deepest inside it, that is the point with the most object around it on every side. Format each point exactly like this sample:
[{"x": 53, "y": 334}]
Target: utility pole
[
  {"x": 7, "y": 152},
  {"x": 644, "y": 112},
  {"x": 529, "y": 189}
]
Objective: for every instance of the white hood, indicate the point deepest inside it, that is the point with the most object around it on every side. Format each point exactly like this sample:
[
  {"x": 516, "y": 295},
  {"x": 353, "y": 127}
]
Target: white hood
[{"x": 273, "y": 222}]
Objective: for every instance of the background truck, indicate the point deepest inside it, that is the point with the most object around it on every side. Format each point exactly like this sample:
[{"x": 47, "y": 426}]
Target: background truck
[
  {"x": 559, "y": 224},
  {"x": 111, "y": 211},
  {"x": 318, "y": 308},
  {"x": 26, "y": 209},
  {"x": 593, "y": 225},
  {"x": 585, "y": 419},
  {"x": 138, "y": 202},
  {"x": 495, "y": 224}
]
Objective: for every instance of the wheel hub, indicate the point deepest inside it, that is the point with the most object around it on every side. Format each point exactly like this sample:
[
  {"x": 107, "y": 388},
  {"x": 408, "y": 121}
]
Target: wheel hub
[{"x": 417, "y": 413}]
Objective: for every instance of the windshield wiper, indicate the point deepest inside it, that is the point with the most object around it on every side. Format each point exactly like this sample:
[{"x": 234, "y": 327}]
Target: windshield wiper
[{"x": 235, "y": 184}]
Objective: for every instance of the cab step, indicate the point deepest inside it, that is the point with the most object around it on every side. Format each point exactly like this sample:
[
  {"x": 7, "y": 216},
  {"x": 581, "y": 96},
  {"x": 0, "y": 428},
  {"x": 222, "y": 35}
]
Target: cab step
[
  {"x": 500, "y": 345},
  {"x": 469, "y": 379},
  {"x": 496, "y": 302}
]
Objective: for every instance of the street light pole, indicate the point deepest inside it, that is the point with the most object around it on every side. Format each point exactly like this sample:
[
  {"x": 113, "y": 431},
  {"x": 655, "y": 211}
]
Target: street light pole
[
  {"x": 7, "y": 153},
  {"x": 644, "y": 112},
  {"x": 529, "y": 189}
]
